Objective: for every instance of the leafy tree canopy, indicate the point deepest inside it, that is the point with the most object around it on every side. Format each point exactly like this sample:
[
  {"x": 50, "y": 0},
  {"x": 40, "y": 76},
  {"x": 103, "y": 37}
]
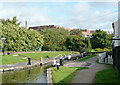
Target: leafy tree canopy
[
  {"x": 61, "y": 39},
  {"x": 14, "y": 21},
  {"x": 100, "y": 39},
  {"x": 19, "y": 38}
]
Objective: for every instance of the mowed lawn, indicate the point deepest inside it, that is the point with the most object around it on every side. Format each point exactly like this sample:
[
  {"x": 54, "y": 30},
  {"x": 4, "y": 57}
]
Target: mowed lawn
[
  {"x": 36, "y": 56},
  {"x": 87, "y": 57},
  {"x": 64, "y": 74},
  {"x": 9, "y": 59},
  {"x": 109, "y": 75}
]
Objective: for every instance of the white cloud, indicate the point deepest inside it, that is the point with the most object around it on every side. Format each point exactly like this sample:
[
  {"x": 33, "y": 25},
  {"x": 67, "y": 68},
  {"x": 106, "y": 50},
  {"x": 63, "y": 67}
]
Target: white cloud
[
  {"x": 33, "y": 15},
  {"x": 41, "y": 19},
  {"x": 87, "y": 17},
  {"x": 84, "y": 15}
]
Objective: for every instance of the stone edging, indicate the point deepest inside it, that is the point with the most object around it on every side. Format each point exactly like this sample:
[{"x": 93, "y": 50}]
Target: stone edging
[
  {"x": 49, "y": 77},
  {"x": 25, "y": 66}
]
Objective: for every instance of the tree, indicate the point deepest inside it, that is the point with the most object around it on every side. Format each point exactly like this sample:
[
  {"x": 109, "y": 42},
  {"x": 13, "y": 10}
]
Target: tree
[
  {"x": 54, "y": 39},
  {"x": 14, "y": 21},
  {"x": 76, "y": 42},
  {"x": 100, "y": 39},
  {"x": 20, "y": 38}
]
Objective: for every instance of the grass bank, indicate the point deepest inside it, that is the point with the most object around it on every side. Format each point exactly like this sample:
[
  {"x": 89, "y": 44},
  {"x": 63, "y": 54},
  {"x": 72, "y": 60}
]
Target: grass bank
[
  {"x": 36, "y": 56},
  {"x": 87, "y": 57},
  {"x": 9, "y": 59},
  {"x": 65, "y": 74},
  {"x": 108, "y": 75}
]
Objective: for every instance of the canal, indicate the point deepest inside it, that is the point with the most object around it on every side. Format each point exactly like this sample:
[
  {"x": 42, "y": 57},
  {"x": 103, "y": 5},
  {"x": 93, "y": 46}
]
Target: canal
[{"x": 33, "y": 75}]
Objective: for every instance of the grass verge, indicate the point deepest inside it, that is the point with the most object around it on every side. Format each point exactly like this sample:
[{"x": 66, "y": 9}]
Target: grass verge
[
  {"x": 9, "y": 59},
  {"x": 87, "y": 57},
  {"x": 65, "y": 74},
  {"x": 36, "y": 56},
  {"x": 108, "y": 75}
]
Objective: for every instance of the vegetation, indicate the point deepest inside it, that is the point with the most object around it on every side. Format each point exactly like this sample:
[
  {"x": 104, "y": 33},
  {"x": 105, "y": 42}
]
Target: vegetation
[
  {"x": 19, "y": 38},
  {"x": 50, "y": 39},
  {"x": 87, "y": 57},
  {"x": 36, "y": 56},
  {"x": 54, "y": 39},
  {"x": 100, "y": 39},
  {"x": 9, "y": 59},
  {"x": 59, "y": 39},
  {"x": 97, "y": 61},
  {"x": 100, "y": 50},
  {"x": 76, "y": 42},
  {"x": 108, "y": 75},
  {"x": 64, "y": 74}
]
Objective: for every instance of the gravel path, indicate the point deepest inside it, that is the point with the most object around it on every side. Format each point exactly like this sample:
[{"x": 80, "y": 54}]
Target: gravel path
[{"x": 87, "y": 75}]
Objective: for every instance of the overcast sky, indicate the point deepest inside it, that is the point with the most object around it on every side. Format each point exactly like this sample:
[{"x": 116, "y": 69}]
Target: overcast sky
[{"x": 90, "y": 14}]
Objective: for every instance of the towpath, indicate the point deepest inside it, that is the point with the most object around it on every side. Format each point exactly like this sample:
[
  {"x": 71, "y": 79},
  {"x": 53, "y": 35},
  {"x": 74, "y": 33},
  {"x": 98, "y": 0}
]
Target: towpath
[{"x": 87, "y": 75}]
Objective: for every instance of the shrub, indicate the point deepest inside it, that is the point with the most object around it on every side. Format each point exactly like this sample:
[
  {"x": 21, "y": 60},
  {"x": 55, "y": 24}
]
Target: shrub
[{"x": 98, "y": 49}]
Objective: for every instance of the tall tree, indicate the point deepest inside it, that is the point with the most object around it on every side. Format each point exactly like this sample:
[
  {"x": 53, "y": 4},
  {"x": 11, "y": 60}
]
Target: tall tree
[
  {"x": 76, "y": 41},
  {"x": 19, "y": 38},
  {"x": 100, "y": 39},
  {"x": 14, "y": 21},
  {"x": 54, "y": 38}
]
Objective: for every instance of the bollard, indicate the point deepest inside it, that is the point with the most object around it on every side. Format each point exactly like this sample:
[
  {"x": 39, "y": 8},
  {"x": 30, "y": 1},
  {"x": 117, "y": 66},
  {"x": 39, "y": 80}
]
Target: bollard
[
  {"x": 41, "y": 64},
  {"x": 57, "y": 66},
  {"x": 47, "y": 56},
  {"x": 83, "y": 54},
  {"x": 53, "y": 63},
  {"x": 8, "y": 53},
  {"x": 29, "y": 62},
  {"x": 61, "y": 62},
  {"x": 41, "y": 59},
  {"x": 69, "y": 57}
]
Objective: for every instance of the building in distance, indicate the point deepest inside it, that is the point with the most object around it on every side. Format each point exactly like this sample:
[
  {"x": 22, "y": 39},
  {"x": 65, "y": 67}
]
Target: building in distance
[
  {"x": 87, "y": 33},
  {"x": 48, "y": 27}
]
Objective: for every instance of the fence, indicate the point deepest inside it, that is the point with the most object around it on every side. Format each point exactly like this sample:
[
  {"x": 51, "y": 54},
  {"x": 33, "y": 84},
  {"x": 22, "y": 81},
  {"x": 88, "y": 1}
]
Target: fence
[{"x": 116, "y": 57}]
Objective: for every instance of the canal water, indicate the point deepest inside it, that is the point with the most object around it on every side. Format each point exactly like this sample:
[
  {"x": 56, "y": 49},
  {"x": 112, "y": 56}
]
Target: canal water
[{"x": 34, "y": 75}]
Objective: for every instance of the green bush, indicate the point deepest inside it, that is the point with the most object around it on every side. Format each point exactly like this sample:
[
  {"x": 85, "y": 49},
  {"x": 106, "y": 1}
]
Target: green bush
[
  {"x": 98, "y": 49},
  {"x": 106, "y": 49}
]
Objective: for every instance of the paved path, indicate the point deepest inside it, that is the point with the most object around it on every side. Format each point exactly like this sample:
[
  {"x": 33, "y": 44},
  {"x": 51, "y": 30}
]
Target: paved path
[{"x": 87, "y": 75}]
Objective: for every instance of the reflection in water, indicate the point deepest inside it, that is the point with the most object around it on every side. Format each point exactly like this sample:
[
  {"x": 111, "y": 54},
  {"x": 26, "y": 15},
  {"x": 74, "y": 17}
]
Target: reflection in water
[
  {"x": 29, "y": 72},
  {"x": 35, "y": 75}
]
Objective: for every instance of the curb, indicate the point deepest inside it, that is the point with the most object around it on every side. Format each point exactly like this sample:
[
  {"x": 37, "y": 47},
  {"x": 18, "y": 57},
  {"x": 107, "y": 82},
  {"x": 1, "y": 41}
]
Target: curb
[
  {"x": 24, "y": 67},
  {"x": 49, "y": 77}
]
